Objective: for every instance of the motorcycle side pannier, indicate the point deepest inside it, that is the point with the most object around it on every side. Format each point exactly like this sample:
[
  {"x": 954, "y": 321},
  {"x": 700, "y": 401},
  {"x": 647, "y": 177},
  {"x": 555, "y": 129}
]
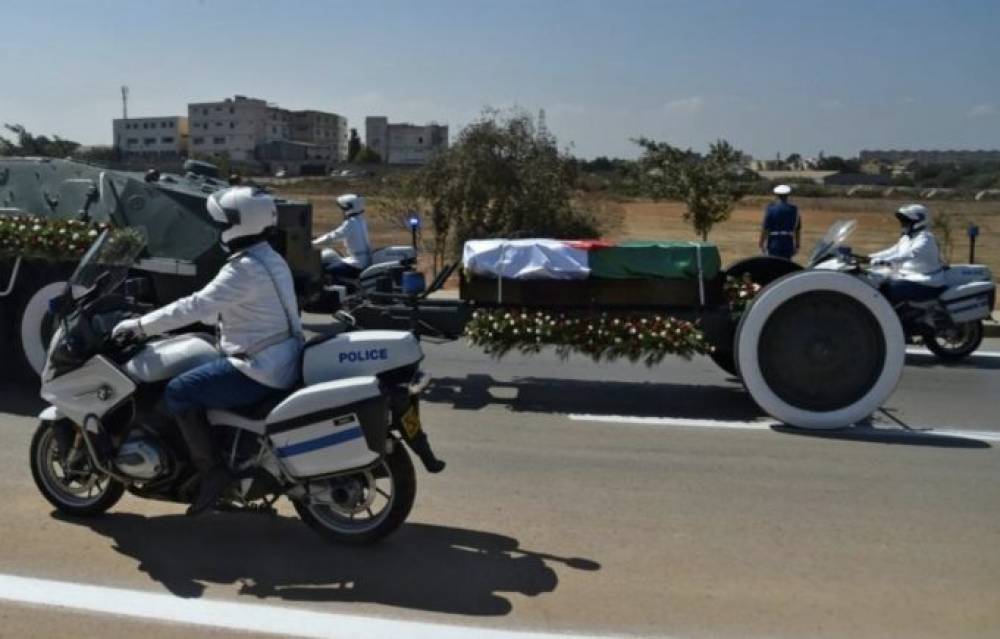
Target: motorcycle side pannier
[
  {"x": 969, "y": 302},
  {"x": 331, "y": 427}
]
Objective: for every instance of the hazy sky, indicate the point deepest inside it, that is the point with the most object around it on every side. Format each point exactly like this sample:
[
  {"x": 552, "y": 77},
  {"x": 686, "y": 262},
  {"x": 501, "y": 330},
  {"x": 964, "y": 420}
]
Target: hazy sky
[{"x": 769, "y": 76}]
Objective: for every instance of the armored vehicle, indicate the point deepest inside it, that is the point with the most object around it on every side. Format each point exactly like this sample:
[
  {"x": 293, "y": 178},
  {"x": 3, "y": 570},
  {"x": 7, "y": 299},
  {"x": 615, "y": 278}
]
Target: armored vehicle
[{"x": 182, "y": 253}]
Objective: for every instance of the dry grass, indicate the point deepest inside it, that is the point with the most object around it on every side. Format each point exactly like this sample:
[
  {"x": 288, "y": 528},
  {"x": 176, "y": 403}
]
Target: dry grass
[
  {"x": 877, "y": 228},
  {"x": 736, "y": 238}
]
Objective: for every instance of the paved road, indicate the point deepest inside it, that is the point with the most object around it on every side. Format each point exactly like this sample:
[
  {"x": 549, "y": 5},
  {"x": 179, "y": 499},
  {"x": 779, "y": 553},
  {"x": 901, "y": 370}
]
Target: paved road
[{"x": 606, "y": 499}]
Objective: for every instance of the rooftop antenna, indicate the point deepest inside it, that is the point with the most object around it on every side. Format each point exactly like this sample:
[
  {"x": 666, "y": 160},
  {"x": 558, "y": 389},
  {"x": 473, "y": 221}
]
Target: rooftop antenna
[
  {"x": 124, "y": 102},
  {"x": 543, "y": 129}
]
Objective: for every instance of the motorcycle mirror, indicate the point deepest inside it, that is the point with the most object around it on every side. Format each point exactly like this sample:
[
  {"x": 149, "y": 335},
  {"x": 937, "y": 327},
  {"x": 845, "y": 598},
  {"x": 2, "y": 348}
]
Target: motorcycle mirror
[
  {"x": 345, "y": 318},
  {"x": 136, "y": 287}
]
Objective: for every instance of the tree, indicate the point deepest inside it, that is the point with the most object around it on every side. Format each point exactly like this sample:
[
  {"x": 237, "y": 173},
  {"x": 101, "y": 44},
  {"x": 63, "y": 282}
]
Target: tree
[
  {"x": 31, "y": 145},
  {"x": 501, "y": 178},
  {"x": 368, "y": 155},
  {"x": 709, "y": 185},
  {"x": 353, "y": 146}
]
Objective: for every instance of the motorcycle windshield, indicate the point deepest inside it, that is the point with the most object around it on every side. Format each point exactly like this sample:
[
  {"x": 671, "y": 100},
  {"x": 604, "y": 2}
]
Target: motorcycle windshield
[
  {"x": 107, "y": 262},
  {"x": 838, "y": 233}
]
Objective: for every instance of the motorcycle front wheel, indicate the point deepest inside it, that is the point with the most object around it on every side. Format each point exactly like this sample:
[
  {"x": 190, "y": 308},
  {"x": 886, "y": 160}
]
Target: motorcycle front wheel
[
  {"x": 68, "y": 479},
  {"x": 955, "y": 343},
  {"x": 362, "y": 508}
]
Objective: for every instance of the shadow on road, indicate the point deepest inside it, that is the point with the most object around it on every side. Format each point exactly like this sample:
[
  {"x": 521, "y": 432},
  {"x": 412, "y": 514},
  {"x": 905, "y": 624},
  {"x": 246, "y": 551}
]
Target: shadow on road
[
  {"x": 972, "y": 362},
  {"x": 20, "y": 398},
  {"x": 888, "y": 436},
  {"x": 544, "y": 395},
  {"x": 421, "y": 566}
]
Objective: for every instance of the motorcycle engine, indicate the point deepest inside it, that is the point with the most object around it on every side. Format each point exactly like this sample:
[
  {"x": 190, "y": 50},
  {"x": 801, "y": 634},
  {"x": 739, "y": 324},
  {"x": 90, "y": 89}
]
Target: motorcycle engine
[{"x": 140, "y": 458}]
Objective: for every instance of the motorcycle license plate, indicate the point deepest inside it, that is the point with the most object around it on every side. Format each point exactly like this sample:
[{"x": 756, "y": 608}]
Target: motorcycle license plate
[{"x": 411, "y": 420}]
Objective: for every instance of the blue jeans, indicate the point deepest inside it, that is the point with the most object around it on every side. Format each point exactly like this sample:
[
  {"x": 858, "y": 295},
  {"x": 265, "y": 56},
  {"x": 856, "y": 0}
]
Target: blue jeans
[{"x": 217, "y": 384}]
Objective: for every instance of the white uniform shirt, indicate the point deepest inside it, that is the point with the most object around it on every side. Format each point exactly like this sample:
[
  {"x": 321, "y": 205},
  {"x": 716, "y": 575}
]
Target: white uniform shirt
[
  {"x": 252, "y": 300},
  {"x": 916, "y": 258},
  {"x": 354, "y": 232}
]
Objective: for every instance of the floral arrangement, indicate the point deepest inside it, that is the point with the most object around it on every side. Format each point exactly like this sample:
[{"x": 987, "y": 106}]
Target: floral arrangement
[
  {"x": 740, "y": 292},
  {"x": 46, "y": 239},
  {"x": 601, "y": 336}
]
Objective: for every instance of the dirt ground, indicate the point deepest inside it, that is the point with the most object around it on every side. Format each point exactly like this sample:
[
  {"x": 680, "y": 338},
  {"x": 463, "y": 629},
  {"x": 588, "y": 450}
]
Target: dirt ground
[{"x": 737, "y": 237}]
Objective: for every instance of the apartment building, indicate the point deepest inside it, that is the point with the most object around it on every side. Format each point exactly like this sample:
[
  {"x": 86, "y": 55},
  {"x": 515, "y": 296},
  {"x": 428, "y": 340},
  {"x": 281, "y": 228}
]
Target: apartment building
[
  {"x": 322, "y": 129},
  {"x": 404, "y": 143},
  {"x": 236, "y": 126},
  {"x": 163, "y": 137}
]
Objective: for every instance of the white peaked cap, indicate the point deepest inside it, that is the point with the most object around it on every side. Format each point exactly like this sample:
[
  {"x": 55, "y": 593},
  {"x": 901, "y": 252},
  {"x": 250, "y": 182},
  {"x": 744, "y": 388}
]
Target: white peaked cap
[{"x": 782, "y": 189}]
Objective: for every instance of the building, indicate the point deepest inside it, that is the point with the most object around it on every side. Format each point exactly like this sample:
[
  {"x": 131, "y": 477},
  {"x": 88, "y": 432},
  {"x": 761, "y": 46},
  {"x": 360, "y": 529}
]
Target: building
[
  {"x": 162, "y": 137},
  {"x": 322, "y": 129},
  {"x": 296, "y": 158},
  {"x": 931, "y": 157},
  {"x": 245, "y": 129},
  {"x": 235, "y": 127},
  {"x": 404, "y": 143}
]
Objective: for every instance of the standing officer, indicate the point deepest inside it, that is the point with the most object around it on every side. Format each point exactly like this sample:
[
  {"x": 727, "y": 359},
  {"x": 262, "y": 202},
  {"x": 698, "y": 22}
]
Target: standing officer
[{"x": 780, "y": 235}]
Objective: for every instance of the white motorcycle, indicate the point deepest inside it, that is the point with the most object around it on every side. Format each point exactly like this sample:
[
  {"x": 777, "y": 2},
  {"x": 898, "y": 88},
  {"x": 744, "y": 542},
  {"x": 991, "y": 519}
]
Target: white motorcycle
[
  {"x": 383, "y": 276},
  {"x": 334, "y": 446},
  {"x": 949, "y": 323}
]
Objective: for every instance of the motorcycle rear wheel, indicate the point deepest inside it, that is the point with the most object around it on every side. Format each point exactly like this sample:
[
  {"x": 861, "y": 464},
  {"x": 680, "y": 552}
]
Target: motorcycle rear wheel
[
  {"x": 82, "y": 491},
  {"x": 957, "y": 343},
  {"x": 392, "y": 484}
]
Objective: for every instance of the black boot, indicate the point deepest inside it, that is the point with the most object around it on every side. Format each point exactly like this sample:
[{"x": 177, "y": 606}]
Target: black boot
[{"x": 214, "y": 478}]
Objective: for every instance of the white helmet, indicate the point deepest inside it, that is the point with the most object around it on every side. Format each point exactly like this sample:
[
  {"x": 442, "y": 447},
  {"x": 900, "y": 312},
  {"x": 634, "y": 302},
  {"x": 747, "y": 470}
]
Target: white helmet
[
  {"x": 914, "y": 217},
  {"x": 351, "y": 204},
  {"x": 242, "y": 211}
]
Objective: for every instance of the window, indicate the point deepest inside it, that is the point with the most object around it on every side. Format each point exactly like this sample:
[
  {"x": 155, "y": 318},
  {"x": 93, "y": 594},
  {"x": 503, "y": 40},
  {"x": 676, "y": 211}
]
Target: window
[
  {"x": 420, "y": 140},
  {"x": 198, "y": 141},
  {"x": 167, "y": 140},
  {"x": 204, "y": 111},
  {"x": 149, "y": 140},
  {"x": 133, "y": 140},
  {"x": 232, "y": 110},
  {"x": 219, "y": 140},
  {"x": 218, "y": 124},
  {"x": 145, "y": 125},
  {"x": 232, "y": 125}
]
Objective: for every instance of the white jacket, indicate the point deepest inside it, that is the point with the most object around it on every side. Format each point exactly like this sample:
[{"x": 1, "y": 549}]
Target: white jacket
[
  {"x": 252, "y": 302},
  {"x": 354, "y": 232},
  {"x": 915, "y": 258}
]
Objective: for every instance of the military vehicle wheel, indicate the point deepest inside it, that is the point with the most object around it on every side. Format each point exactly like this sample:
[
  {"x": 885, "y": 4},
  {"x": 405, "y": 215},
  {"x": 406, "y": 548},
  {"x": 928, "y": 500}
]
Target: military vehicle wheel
[
  {"x": 33, "y": 324},
  {"x": 820, "y": 349}
]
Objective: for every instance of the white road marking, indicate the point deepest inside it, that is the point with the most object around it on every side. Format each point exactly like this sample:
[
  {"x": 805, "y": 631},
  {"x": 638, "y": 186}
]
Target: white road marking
[
  {"x": 244, "y": 617},
  {"x": 766, "y": 425},
  {"x": 917, "y": 350},
  {"x": 680, "y": 422}
]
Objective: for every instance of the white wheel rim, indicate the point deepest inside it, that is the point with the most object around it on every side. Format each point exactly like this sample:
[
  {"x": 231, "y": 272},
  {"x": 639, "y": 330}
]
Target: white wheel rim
[
  {"x": 783, "y": 290},
  {"x": 35, "y": 350}
]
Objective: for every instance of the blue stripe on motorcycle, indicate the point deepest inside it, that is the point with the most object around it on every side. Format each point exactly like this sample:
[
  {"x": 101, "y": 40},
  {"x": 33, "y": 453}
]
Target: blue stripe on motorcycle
[{"x": 320, "y": 442}]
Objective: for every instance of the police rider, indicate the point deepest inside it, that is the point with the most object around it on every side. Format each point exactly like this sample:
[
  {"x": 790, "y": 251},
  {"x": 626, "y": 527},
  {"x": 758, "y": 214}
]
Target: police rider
[
  {"x": 252, "y": 303},
  {"x": 916, "y": 271},
  {"x": 354, "y": 233},
  {"x": 781, "y": 232}
]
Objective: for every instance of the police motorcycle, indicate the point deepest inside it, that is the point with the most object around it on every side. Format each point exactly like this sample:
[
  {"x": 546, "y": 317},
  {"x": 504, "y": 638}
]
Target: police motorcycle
[
  {"x": 383, "y": 276},
  {"x": 949, "y": 322},
  {"x": 336, "y": 445}
]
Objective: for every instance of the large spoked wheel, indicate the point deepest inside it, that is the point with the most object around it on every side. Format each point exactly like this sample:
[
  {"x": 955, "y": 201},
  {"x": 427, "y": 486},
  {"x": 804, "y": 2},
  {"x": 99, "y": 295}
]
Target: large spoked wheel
[
  {"x": 362, "y": 508},
  {"x": 820, "y": 349},
  {"x": 68, "y": 479},
  {"x": 957, "y": 342}
]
